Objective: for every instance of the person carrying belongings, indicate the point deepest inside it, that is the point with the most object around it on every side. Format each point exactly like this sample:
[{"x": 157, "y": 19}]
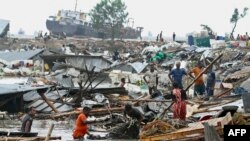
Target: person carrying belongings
[
  {"x": 179, "y": 107},
  {"x": 199, "y": 86}
]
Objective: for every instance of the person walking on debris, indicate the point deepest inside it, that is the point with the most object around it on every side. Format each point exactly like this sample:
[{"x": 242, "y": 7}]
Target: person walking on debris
[
  {"x": 176, "y": 75},
  {"x": 28, "y": 119},
  {"x": 199, "y": 86},
  {"x": 81, "y": 124},
  {"x": 210, "y": 83},
  {"x": 179, "y": 106},
  {"x": 174, "y": 36},
  {"x": 152, "y": 81}
]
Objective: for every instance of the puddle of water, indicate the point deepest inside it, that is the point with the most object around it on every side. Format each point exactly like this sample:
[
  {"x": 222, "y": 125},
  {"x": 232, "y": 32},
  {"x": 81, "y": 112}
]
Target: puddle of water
[{"x": 61, "y": 128}]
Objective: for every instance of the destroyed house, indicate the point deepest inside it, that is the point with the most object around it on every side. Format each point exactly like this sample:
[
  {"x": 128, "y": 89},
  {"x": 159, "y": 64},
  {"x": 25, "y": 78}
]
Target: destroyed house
[
  {"x": 4, "y": 27},
  {"x": 11, "y": 96}
]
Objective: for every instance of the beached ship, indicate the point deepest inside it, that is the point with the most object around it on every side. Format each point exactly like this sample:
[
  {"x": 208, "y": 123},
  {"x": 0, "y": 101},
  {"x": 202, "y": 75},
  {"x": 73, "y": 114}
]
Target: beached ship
[{"x": 74, "y": 23}]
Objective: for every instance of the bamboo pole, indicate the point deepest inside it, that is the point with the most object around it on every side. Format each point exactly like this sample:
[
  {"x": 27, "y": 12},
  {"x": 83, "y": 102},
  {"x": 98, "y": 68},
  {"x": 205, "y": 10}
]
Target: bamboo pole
[{"x": 49, "y": 132}]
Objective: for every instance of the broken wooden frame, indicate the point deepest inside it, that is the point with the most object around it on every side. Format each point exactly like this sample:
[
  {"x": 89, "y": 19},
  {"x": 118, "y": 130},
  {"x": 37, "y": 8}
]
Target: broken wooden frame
[{"x": 192, "y": 130}]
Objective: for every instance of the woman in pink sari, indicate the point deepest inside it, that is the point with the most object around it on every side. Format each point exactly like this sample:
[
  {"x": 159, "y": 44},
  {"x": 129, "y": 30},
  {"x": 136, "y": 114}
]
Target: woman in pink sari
[{"x": 179, "y": 106}]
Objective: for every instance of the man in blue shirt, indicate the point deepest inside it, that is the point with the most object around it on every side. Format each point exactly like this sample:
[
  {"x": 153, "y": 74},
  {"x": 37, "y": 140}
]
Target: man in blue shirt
[
  {"x": 176, "y": 75},
  {"x": 210, "y": 83}
]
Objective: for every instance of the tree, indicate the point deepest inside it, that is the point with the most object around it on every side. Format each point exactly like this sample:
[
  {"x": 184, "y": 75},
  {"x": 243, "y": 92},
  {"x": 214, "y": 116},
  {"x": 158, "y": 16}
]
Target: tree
[
  {"x": 207, "y": 28},
  {"x": 235, "y": 18},
  {"x": 109, "y": 15}
]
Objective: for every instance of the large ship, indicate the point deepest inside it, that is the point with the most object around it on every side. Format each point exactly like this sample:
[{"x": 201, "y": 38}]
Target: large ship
[{"x": 74, "y": 23}]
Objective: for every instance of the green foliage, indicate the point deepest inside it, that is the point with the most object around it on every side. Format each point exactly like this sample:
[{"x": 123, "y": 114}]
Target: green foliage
[
  {"x": 236, "y": 16},
  {"x": 206, "y": 27},
  {"x": 111, "y": 14}
]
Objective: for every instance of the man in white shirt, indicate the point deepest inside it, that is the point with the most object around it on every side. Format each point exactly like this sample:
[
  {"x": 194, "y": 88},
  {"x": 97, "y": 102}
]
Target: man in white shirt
[{"x": 152, "y": 80}]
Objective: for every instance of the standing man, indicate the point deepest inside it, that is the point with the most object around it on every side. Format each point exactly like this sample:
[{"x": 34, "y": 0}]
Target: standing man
[
  {"x": 247, "y": 36},
  {"x": 152, "y": 81},
  {"x": 28, "y": 119},
  {"x": 81, "y": 124},
  {"x": 199, "y": 86},
  {"x": 174, "y": 36},
  {"x": 210, "y": 83},
  {"x": 176, "y": 75}
]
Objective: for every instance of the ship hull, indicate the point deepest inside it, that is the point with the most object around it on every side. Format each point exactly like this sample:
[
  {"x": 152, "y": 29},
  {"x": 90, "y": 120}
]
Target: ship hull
[{"x": 55, "y": 27}]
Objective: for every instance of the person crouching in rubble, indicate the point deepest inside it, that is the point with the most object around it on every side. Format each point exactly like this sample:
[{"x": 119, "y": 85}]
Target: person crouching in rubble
[
  {"x": 81, "y": 124},
  {"x": 132, "y": 113},
  {"x": 179, "y": 106}
]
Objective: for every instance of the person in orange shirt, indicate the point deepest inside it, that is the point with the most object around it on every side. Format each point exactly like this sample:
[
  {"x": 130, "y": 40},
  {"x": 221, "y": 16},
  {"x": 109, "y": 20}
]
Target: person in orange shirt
[
  {"x": 199, "y": 86},
  {"x": 81, "y": 124}
]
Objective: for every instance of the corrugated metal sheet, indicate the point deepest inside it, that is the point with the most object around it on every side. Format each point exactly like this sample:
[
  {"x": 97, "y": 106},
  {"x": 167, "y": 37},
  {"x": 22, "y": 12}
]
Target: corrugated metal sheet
[
  {"x": 16, "y": 88},
  {"x": 3, "y": 25},
  {"x": 79, "y": 61},
  {"x": 65, "y": 81},
  {"x": 136, "y": 67},
  {"x": 43, "y": 107},
  {"x": 53, "y": 95},
  {"x": 20, "y": 55}
]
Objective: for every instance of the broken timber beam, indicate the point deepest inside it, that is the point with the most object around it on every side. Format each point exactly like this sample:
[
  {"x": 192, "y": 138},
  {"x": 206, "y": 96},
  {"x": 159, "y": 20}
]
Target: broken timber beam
[
  {"x": 48, "y": 102},
  {"x": 49, "y": 132}
]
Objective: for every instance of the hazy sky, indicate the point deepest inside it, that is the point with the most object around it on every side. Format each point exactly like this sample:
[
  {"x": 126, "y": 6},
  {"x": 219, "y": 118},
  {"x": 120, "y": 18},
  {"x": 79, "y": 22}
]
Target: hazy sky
[{"x": 180, "y": 16}]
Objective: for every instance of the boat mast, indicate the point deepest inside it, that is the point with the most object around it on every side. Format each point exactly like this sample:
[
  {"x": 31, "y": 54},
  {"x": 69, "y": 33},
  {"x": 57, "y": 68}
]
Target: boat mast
[{"x": 75, "y": 5}]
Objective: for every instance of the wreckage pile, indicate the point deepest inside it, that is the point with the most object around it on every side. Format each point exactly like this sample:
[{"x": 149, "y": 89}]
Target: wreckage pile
[{"x": 59, "y": 76}]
